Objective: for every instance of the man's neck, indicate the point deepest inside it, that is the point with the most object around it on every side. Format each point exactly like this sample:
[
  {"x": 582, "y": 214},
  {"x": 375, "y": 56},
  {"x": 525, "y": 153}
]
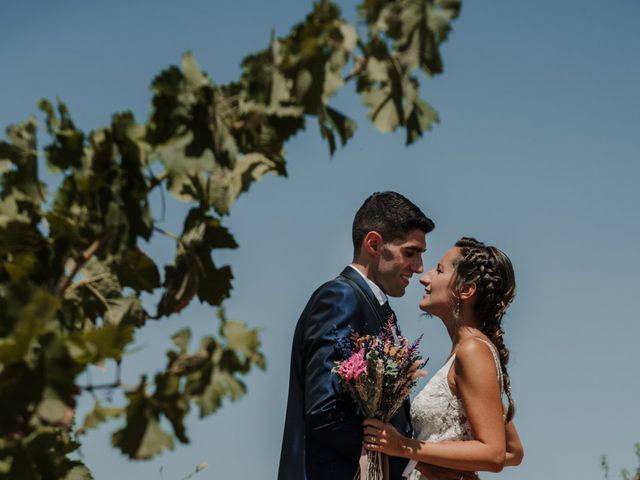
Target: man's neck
[{"x": 375, "y": 288}]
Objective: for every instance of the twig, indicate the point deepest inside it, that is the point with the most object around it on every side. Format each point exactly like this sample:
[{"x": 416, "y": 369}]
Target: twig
[
  {"x": 101, "y": 297},
  {"x": 85, "y": 281},
  {"x": 360, "y": 62},
  {"x": 199, "y": 468},
  {"x": 155, "y": 181},
  {"x": 97, "y": 244},
  {"x": 167, "y": 233},
  {"x": 104, "y": 386}
]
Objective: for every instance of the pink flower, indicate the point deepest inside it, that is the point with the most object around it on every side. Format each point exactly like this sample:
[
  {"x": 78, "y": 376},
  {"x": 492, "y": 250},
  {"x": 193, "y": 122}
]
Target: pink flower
[{"x": 353, "y": 367}]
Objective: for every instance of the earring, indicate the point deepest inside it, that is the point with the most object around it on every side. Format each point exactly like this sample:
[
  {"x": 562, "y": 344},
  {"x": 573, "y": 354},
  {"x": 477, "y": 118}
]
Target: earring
[{"x": 456, "y": 311}]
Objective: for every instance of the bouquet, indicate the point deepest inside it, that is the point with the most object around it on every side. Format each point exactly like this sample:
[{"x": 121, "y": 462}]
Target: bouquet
[{"x": 379, "y": 373}]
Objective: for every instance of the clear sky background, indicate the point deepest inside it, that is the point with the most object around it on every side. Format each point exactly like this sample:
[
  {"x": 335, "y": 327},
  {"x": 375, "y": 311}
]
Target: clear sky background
[{"x": 537, "y": 152}]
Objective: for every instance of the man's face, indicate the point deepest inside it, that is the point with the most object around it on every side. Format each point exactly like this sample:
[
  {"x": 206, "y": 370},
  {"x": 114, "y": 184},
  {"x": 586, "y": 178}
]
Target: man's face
[{"x": 398, "y": 261}]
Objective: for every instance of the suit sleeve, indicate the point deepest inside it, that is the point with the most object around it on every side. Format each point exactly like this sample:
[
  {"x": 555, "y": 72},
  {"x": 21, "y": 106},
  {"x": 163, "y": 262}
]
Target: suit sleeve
[{"x": 330, "y": 414}]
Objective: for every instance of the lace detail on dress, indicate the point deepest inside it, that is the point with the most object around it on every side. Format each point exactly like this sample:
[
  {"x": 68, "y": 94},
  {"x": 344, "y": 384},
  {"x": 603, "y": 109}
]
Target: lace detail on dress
[{"x": 437, "y": 415}]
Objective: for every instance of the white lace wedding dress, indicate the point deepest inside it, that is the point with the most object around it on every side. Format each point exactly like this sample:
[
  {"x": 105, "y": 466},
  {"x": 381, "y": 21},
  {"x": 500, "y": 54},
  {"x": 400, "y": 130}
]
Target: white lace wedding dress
[{"x": 437, "y": 415}]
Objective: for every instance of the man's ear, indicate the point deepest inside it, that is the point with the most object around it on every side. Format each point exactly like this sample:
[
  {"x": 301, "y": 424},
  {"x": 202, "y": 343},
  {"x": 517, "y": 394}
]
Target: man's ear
[
  {"x": 467, "y": 291},
  {"x": 373, "y": 243}
]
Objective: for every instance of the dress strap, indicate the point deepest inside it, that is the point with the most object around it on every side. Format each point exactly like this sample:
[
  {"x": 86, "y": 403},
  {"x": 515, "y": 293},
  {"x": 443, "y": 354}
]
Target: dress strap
[{"x": 496, "y": 359}]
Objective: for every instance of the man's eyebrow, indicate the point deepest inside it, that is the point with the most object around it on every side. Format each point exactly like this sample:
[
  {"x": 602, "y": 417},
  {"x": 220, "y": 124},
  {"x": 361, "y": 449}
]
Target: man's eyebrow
[{"x": 416, "y": 249}]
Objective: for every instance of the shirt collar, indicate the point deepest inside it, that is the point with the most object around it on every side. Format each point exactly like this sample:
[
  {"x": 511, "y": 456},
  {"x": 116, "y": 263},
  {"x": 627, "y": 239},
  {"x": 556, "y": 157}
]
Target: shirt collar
[{"x": 379, "y": 294}]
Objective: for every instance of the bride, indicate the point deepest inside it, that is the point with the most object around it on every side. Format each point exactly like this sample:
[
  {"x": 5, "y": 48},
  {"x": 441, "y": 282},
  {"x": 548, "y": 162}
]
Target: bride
[{"x": 459, "y": 419}]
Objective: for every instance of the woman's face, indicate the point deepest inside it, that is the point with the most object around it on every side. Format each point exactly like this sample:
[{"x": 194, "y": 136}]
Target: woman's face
[{"x": 438, "y": 296}]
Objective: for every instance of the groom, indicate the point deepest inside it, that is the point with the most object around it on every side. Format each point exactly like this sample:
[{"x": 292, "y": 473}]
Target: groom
[{"x": 323, "y": 432}]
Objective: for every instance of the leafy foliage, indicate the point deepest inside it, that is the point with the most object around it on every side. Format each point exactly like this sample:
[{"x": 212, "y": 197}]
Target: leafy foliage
[
  {"x": 625, "y": 474},
  {"x": 73, "y": 267}
]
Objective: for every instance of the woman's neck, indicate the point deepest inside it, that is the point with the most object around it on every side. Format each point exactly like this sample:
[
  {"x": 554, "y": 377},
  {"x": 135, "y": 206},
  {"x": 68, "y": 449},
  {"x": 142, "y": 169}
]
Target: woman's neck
[
  {"x": 464, "y": 332},
  {"x": 464, "y": 327}
]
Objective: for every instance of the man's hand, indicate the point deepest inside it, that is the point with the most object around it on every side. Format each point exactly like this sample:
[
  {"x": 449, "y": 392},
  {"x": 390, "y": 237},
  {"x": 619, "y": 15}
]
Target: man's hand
[{"x": 433, "y": 472}]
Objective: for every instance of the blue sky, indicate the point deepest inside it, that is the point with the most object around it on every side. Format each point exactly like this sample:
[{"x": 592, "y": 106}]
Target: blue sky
[{"x": 537, "y": 152}]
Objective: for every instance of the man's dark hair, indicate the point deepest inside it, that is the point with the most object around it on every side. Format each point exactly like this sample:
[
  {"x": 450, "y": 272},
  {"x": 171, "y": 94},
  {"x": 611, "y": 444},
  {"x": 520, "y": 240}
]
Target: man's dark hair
[{"x": 391, "y": 215}]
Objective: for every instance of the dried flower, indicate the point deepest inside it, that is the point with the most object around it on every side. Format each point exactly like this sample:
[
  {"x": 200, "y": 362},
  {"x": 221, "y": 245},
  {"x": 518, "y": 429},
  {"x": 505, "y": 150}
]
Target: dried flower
[
  {"x": 353, "y": 367},
  {"x": 379, "y": 375}
]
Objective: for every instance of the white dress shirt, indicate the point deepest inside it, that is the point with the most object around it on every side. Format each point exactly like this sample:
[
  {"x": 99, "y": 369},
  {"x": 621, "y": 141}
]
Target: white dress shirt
[{"x": 379, "y": 294}]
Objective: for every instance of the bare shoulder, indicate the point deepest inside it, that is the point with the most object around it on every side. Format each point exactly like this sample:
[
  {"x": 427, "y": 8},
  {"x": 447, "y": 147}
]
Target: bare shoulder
[{"x": 473, "y": 354}]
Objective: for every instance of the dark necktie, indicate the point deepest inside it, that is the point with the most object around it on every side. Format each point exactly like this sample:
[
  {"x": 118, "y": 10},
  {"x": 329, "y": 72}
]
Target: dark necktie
[{"x": 390, "y": 314}]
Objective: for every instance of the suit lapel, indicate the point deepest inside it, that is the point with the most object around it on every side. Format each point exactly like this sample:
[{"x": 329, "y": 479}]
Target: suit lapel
[{"x": 376, "y": 318}]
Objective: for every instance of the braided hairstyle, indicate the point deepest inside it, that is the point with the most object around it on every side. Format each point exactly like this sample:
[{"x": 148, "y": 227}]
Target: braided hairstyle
[{"x": 492, "y": 273}]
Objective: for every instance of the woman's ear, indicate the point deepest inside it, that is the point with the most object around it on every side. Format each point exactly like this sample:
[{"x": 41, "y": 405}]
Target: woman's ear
[
  {"x": 373, "y": 243},
  {"x": 467, "y": 291}
]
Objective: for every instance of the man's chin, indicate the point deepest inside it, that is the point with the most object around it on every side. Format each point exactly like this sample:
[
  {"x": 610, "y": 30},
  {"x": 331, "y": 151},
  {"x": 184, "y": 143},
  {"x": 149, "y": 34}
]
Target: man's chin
[{"x": 397, "y": 293}]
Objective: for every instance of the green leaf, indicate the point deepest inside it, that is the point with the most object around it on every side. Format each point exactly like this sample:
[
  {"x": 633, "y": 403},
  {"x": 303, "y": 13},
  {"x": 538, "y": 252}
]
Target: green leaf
[
  {"x": 104, "y": 192},
  {"x": 66, "y": 151},
  {"x": 98, "y": 295},
  {"x": 126, "y": 310},
  {"x": 264, "y": 88},
  {"x": 78, "y": 472},
  {"x": 21, "y": 191},
  {"x": 416, "y": 28},
  {"x": 194, "y": 271},
  {"x": 344, "y": 126},
  {"x": 42, "y": 454},
  {"x": 100, "y": 414},
  {"x": 53, "y": 410},
  {"x": 229, "y": 184},
  {"x": 314, "y": 55},
  {"x": 213, "y": 371},
  {"x": 331, "y": 121},
  {"x": 172, "y": 402},
  {"x": 209, "y": 183},
  {"x": 62, "y": 228},
  {"x": 186, "y": 108},
  {"x": 28, "y": 312},
  {"x": 181, "y": 339},
  {"x": 243, "y": 340},
  {"x": 128, "y": 137},
  {"x": 221, "y": 384},
  {"x": 107, "y": 342},
  {"x": 382, "y": 110},
  {"x": 153, "y": 441},
  {"x": 142, "y": 437},
  {"x": 22, "y": 154},
  {"x": 136, "y": 270},
  {"x": 17, "y": 237},
  {"x": 421, "y": 118},
  {"x": 404, "y": 35}
]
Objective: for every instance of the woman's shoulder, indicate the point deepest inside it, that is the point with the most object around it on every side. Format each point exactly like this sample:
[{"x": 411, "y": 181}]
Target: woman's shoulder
[{"x": 474, "y": 353}]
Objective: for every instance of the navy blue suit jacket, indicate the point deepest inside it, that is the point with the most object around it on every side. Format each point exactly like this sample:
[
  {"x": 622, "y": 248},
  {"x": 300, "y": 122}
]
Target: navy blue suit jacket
[{"x": 323, "y": 432}]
